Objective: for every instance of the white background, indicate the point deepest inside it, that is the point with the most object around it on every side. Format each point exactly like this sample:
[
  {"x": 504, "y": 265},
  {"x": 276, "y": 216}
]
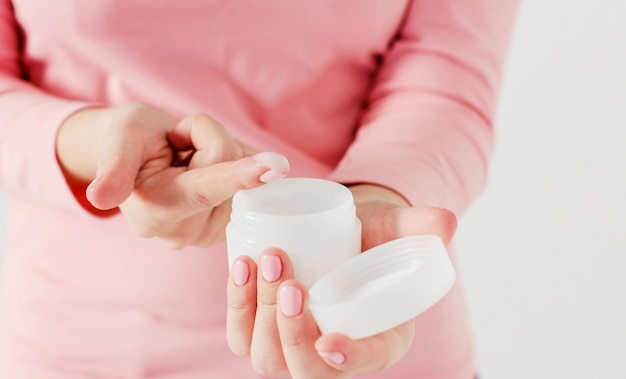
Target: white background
[{"x": 543, "y": 250}]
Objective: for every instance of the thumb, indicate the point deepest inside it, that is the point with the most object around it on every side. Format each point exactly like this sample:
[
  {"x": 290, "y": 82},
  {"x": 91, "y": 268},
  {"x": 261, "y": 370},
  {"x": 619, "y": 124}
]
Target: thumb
[{"x": 116, "y": 174}]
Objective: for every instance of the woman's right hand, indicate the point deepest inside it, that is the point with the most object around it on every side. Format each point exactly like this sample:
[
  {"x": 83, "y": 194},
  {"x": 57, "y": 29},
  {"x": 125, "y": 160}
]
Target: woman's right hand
[{"x": 171, "y": 179}]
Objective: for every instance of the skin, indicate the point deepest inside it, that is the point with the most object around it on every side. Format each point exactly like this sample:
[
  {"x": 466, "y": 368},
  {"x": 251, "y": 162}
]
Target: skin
[
  {"x": 174, "y": 179},
  {"x": 282, "y": 344}
]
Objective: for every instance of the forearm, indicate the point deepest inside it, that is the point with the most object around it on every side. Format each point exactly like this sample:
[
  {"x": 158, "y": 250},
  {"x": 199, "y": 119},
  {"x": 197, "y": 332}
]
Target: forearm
[{"x": 427, "y": 131}]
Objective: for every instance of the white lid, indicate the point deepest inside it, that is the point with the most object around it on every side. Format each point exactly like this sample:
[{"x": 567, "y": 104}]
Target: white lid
[{"x": 383, "y": 287}]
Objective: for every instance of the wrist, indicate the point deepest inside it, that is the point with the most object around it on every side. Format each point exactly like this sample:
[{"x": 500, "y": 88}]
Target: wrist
[
  {"x": 77, "y": 144},
  {"x": 372, "y": 192}
]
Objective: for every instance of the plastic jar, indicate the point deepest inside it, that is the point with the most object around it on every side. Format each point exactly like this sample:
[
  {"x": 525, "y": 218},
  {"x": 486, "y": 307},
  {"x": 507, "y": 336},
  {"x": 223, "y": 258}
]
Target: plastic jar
[{"x": 313, "y": 220}]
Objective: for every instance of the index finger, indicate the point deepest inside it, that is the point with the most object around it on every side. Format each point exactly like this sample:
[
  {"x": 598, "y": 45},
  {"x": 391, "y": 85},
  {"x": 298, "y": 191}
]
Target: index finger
[{"x": 207, "y": 187}]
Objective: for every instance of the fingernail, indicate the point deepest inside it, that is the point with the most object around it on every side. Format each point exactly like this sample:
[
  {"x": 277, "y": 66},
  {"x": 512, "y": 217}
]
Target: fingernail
[
  {"x": 290, "y": 300},
  {"x": 277, "y": 164},
  {"x": 92, "y": 185},
  {"x": 271, "y": 268},
  {"x": 335, "y": 357},
  {"x": 241, "y": 273},
  {"x": 270, "y": 176}
]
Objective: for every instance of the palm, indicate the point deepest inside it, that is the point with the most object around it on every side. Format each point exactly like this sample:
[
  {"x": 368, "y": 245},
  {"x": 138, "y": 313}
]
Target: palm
[{"x": 158, "y": 191}]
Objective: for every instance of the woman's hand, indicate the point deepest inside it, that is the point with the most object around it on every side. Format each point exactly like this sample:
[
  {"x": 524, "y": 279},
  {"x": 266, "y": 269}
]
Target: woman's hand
[
  {"x": 268, "y": 317},
  {"x": 171, "y": 179}
]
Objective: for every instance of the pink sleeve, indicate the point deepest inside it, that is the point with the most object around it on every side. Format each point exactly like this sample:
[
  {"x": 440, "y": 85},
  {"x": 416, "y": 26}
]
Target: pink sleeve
[
  {"x": 427, "y": 131},
  {"x": 29, "y": 120}
]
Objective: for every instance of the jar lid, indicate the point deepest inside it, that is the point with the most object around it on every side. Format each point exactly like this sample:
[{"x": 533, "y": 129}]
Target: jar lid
[{"x": 382, "y": 287}]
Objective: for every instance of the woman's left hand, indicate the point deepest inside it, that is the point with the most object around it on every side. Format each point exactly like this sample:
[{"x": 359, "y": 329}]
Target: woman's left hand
[{"x": 268, "y": 317}]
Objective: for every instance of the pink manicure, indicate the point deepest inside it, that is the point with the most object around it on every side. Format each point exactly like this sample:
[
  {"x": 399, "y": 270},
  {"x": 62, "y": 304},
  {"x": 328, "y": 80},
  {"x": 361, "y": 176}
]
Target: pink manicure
[
  {"x": 241, "y": 273},
  {"x": 277, "y": 164},
  {"x": 290, "y": 301},
  {"x": 92, "y": 185},
  {"x": 270, "y": 176},
  {"x": 271, "y": 268},
  {"x": 336, "y": 357}
]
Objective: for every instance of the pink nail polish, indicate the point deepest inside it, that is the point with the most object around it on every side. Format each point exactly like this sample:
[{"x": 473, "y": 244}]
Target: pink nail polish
[
  {"x": 270, "y": 176},
  {"x": 290, "y": 301},
  {"x": 335, "y": 357},
  {"x": 277, "y": 164},
  {"x": 241, "y": 273},
  {"x": 271, "y": 268},
  {"x": 93, "y": 184}
]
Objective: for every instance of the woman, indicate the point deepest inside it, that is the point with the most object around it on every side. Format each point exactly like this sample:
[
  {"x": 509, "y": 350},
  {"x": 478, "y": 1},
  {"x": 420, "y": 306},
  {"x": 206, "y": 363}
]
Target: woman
[{"x": 123, "y": 120}]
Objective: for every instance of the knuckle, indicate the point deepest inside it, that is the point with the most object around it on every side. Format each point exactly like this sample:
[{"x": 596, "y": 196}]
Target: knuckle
[
  {"x": 175, "y": 244},
  {"x": 245, "y": 182},
  {"x": 208, "y": 125},
  {"x": 139, "y": 230},
  {"x": 221, "y": 152},
  {"x": 199, "y": 119},
  {"x": 201, "y": 243},
  {"x": 223, "y": 149},
  {"x": 145, "y": 230},
  {"x": 239, "y": 305},
  {"x": 181, "y": 236},
  {"x": 266, "y": 301},
  {"x": 200, "y": 197},
  {"x": 295, "y": 341}
]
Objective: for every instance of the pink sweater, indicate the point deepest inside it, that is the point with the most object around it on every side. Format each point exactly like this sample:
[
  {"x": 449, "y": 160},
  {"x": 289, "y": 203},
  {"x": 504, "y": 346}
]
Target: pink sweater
[{"x": 394, "y": 92}]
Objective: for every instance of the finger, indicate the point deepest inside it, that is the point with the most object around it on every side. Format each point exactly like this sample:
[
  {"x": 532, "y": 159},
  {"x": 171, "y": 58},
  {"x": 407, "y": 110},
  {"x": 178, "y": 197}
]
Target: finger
[
  {"x": 368, "y": 355},
  {"x": 266, "y": 352},
  {"x": 160, "y": 204},
  {"x": 206, "y": 188},
  {"x": 241, "y": 309},
  {"x": 117, "y": 169},
  {"x": 201, "y": 230},
  {"x": 135, "y": 133},
  {"x": 298, "y": 333},
  {"x": 209, "y": 139}
]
